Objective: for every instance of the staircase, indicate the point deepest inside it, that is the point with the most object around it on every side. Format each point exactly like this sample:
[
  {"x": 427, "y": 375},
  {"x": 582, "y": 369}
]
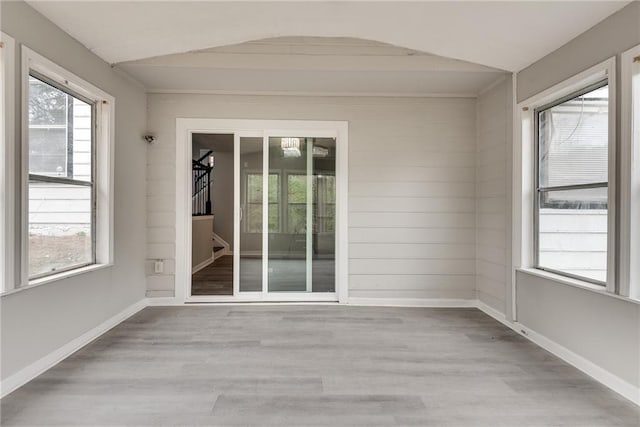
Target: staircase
[
  {"x": 220, "y": 246},
  {"x": 201, "y": 205},
  {"x": 201, "y": 178}
]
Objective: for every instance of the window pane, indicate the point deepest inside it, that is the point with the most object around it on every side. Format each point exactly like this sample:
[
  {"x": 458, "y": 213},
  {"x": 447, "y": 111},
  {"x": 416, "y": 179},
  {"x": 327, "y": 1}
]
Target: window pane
[
  {"x": 324, "y": 203},
  {"x": 254, "y": 195},
  {"x": 254, "y": 218},
  {"x": 324, "y": 218},
  {"x": 48, "y": 151},
  {"x": 274, "y": 188},
  {"x": 573, "y": 232},
  {"x": 587, "y": 198},
  {"x": 80, "y": 126},
  {"x": 274, "y": 218},
  {"x": 330, "y": 187},
  {"x": 59, "y": 227},
  {"x": 297, "y": 189},
  {"x": 297, "y": 218},
  {"x": 47, "y": 105},
  {"x": 60, "y": 133},
  {"x": 254, "y": 188},
  {"x": 573, "y": 140}
]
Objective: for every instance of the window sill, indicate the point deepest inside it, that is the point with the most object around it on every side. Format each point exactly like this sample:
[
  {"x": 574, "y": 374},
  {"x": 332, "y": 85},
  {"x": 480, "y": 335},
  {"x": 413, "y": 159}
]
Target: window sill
[
  {"x": 55, "y": 277},
  {"x": 580, "y": 284}
]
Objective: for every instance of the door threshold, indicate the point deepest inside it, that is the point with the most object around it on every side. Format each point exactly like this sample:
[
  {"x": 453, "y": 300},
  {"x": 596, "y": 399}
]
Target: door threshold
[{"x": 191, "y": 302}]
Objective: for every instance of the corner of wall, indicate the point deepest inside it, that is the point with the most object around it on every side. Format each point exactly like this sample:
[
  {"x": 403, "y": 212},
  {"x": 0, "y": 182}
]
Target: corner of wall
[{"x": 493, "y": 264}]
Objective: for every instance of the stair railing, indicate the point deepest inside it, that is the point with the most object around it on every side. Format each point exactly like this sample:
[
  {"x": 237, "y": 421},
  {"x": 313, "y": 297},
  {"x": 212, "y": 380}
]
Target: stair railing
[{"x": 201, "y": 178}]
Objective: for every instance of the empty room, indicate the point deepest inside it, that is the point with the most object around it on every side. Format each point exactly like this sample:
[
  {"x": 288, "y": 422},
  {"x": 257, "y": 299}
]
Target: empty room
[{"x": 320, "y": 213}]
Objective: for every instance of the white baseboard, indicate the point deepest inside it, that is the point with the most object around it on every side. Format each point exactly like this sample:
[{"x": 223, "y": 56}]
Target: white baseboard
[
  {"x": 159, "y": 295},
  {"x": 615, "y": 383},
  {"x": 496, "y": 314},
  {"x": 413, "y": 302},
  {"x": 163, "y": 301},
  {"x": 28, "y": 373},
  {"x": 203, "y": 264},
  {"x": 610, "y": 380}
]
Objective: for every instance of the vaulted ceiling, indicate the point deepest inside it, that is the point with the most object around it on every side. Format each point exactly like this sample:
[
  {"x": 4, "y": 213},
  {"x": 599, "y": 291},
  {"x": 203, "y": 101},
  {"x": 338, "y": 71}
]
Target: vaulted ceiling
[
  {"x": 507, "y": 35},
  {"x": 312, "y": 65}
]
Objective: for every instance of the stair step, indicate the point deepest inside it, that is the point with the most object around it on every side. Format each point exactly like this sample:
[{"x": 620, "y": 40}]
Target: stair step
[{"x": 218, "y": 248}]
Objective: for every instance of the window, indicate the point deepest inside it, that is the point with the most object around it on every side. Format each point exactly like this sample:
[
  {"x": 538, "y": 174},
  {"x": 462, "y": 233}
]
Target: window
[
  {"x": 61, "y": 185},
  {"x": 572, "y": 185},
  {"x": 67, "y": 156}
]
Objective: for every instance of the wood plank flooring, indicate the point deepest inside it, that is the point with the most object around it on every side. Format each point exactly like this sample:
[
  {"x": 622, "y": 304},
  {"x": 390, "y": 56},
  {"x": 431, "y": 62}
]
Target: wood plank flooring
[
  {"x": 214, "y": 279},
  {"x": 298, "y": 365}
]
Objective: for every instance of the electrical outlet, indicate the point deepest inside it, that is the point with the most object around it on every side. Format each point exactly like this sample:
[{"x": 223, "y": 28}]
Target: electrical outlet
[{"x": 158, "y": 266}]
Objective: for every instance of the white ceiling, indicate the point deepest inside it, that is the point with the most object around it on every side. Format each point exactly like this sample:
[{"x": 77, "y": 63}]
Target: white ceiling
[
  {"x": 508, "y": 35},
  {"x": 311, "y": 65}
]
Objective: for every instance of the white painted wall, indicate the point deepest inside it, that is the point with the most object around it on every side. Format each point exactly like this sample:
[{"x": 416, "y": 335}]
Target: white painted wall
[
  {"x": 35, "y": 322},
  {"x": 602, "y": 329},
  {"x": 599, "y": 328},
  {"x": 493, "y": 201},
  {"x": 411, "y": 186},
  {"x": 222, "y": 196},
  {"x": 202, "y": 240},
  {"x": 617, "y": 33}
]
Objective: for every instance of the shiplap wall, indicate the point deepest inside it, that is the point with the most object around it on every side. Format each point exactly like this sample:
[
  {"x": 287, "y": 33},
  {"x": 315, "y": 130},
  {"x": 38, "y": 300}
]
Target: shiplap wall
[
  {"x": 492, "y": 195},
  {"x": 411, "y": 186}
]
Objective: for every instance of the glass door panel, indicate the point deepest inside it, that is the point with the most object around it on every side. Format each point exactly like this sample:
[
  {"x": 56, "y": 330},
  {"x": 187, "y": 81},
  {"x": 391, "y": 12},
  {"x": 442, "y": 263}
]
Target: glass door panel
[
  {"x": 251, "y": 188},
  {"x": 324, "y": 215},
  {"x": 287, "y": 258},
  {"x": 301, "y": 214}
]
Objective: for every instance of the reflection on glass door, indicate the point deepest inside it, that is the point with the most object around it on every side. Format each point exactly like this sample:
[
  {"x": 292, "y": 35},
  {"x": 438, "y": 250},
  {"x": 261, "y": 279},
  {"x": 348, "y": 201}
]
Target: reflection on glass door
[{"x": 301, "y": 214}]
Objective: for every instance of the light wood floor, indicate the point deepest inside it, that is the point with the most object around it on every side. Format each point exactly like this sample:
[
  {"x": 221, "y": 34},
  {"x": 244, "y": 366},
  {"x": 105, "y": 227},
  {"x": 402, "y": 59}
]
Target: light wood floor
[
  {"x": 314, "y": 365},
  {"x": 214, "y": 279}
]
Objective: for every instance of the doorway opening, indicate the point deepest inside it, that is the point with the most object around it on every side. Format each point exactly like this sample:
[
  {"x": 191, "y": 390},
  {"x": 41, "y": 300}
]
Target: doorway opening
[
  {"x": 268, "y": 207},
  {"x": 212, "y": 214}
]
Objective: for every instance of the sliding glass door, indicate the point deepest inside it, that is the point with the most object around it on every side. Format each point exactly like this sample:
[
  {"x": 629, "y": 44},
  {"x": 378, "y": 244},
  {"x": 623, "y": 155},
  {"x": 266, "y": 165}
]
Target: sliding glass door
[
  {"x": 251, "y": 166},
  {"x": 287, "y": 215}
]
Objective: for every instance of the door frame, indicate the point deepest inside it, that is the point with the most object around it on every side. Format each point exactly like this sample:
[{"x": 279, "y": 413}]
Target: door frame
[{"x": 185, "y": 128}]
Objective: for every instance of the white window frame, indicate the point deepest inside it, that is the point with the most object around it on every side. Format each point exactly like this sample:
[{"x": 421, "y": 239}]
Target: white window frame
[
  {"x": 7, "y": 163},
  {"x": 630, "y": 174},
  {"x": 525, "y": 170},
  {"x": 185, "y": 128},
  {"x": 103, "y": 169}
]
